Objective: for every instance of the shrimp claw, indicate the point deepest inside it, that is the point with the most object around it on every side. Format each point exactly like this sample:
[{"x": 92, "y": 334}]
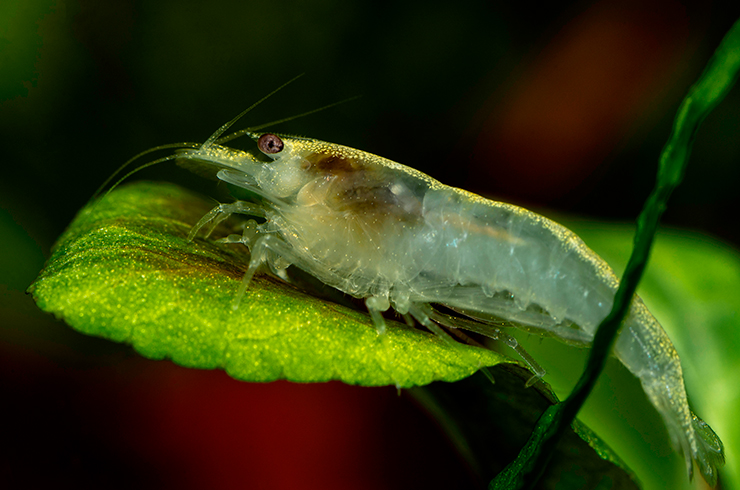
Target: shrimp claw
[{"x": 220, "y": 213}]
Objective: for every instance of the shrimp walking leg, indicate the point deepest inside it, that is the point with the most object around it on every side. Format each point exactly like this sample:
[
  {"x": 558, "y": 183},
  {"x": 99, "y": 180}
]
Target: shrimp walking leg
[
  {"x": 376, "y": 305},
  {"x": 421, "y": 313},
  {"x": 278, "y": 265},
  {"x": 268, "y": 249},
  {"x": 221, "y": 212},
  {"x": 426, "y": 314},
  {"x": 495, "y": 334}
]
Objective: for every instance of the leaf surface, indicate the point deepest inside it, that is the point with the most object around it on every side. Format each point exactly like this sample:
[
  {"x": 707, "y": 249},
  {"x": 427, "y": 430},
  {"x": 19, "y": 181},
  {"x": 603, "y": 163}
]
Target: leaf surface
[{"x": 125, "y": 271}]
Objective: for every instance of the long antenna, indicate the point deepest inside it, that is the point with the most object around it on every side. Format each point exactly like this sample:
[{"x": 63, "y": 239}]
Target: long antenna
[
  {"x": 136, "y": 157},
  {"x": 247, "y": 131},
  {"x": 214, "y": 138},
  {"x": 207, "y": 144},
  {"x": 226, "y": 126},
  {"x": 140, "y": 167}
]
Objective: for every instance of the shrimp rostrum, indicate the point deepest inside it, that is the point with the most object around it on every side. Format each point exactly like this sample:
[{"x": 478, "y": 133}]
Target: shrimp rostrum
[{"x": 395, "y": 237}]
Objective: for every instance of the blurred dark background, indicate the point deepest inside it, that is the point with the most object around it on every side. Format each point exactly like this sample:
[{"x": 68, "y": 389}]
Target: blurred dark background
[{"x": 562, "y": 107}]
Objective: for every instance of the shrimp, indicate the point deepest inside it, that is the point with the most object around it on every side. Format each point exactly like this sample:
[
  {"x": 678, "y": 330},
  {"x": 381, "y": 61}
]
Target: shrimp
[{"x": 397, "y": 238}]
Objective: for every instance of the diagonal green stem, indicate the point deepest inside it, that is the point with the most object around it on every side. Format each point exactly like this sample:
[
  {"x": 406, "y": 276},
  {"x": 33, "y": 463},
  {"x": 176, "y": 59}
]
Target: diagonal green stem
[{"x": 717, "y": 79}]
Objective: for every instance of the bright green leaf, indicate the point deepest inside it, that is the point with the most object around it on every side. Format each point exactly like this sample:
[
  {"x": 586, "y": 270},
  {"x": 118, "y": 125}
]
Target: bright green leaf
[{"x": 125, "y": 271}]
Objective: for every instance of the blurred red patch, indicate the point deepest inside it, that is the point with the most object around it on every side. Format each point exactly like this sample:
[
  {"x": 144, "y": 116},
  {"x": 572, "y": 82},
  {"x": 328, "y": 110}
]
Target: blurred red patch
[{"x": 580, "y": 96}]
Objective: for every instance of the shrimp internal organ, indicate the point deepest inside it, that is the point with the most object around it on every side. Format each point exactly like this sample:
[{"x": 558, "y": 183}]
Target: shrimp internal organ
[{"x": 389, "y": 234}]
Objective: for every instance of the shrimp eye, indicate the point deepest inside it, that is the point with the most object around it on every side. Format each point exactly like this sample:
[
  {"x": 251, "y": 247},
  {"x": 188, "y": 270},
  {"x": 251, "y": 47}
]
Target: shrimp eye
[{"x": 270, "y": 143}]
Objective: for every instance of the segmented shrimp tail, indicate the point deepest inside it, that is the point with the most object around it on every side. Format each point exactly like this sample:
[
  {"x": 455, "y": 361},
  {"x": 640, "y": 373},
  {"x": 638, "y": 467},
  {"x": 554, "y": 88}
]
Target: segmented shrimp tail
[{"x": 645, "y": 349}]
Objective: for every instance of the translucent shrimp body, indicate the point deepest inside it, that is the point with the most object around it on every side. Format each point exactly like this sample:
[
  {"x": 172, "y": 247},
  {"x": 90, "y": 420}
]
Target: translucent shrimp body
[{"x": 394, "y": 236}]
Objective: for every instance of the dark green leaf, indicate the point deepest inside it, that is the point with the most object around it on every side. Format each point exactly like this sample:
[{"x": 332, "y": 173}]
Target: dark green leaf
[{"x": 490, "y": 423}]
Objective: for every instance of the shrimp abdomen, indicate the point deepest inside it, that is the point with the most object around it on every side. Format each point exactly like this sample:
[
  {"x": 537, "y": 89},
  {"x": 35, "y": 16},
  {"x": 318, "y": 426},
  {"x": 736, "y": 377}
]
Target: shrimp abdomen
[{"x": 504, "y": 249}]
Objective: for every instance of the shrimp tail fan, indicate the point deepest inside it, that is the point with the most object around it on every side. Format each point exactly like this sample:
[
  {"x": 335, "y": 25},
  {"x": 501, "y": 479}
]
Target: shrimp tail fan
[
  {"x": 710, "y": 453},
  {"x": 691, "y": 435}
]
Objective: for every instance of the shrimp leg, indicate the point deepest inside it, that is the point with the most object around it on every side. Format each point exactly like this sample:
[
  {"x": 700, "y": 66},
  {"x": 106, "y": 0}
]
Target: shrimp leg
[
  {"x": 221, "y": 212},
  {"x": 423, "y": 314},
  {"x": 376, "y": 305},
  {"x": 266, "y": 248},
  {"x": 426, "y": 315}
]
